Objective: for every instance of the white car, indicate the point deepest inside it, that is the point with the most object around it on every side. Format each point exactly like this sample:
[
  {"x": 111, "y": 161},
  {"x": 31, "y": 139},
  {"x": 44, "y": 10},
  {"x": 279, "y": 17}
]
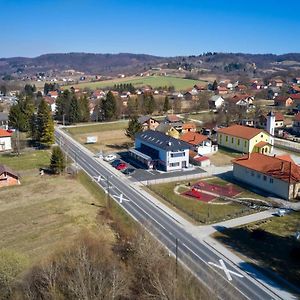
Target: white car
[{"x": 110, "y": 157}]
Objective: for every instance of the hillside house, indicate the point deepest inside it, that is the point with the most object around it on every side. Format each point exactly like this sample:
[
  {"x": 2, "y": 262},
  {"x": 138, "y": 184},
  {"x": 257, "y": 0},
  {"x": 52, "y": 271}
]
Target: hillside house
[
  {"x": 242, "y": 100},
  {"x": 277, "y": 175},
  {"x": 277, "y": 82},
  {"x": 283, "y": 101},
  {"x": 5, "y": 140},
  {"x": 148, "y": 123},
  {"x": 261, "y": 122},
  {"x": 166, "y": 153},
  {"x": 216, "y": 102},
  {"x": 188, "y": 127},
  {"x": 8, "y": 177},
  {"x": 174, "y": 121},
  {"x": 168, "y": 129},
  {"x": 200, "y": 143},
  {"x": 52, "y": 94},
  {"x": 221, "y": 90},
  {"x": 240, "y": 88},
  {"x": 245, "y": 139}
]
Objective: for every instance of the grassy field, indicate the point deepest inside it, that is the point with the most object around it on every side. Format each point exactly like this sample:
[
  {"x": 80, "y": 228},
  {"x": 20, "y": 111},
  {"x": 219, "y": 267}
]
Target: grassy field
[
  {"x": 199, "y": 211},
  {"x": 110, "y": 136},
  {"x": 153, "y": 81},
  {"x": 268, "y": 244},
  {"x": 205, "y": 117},
  {"x": 26, "y": 160}
]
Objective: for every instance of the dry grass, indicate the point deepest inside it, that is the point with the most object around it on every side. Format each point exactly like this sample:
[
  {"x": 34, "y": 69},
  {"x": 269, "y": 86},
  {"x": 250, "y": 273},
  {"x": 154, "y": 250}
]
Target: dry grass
[
  {"x": 41, "y": 213},
  {"x": 220, "y": 159}
]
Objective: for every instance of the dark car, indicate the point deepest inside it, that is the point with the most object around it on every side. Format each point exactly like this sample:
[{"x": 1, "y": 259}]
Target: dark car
[
  {"x": 129, "y": 171},
  {"x": 116, "y": 162}
]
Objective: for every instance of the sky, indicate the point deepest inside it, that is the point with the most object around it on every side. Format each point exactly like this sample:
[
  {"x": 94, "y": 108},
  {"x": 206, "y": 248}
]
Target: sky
[{"x": 158, "y": 27}]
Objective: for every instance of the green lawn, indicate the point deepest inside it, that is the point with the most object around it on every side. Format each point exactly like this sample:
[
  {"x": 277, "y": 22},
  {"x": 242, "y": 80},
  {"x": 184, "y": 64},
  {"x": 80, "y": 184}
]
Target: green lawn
[
  {"x": 153, "y": 81},
  {"x": 199, "y": 211},
  {"x": 270, "y": 244},
  {"x": 33, "y": 159},
  {"x": 97, "y": 127}
]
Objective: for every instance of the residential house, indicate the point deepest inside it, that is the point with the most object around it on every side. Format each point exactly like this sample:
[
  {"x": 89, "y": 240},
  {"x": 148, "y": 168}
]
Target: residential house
[
  {"x": 8, "y": 177},
  {"x": 283, "y": 101},
  {"x": 168, "y": 130},
  {"x": 247, "y": 122},
  {"x": 188, "y": 96},
  {"x": 296, "y": 124},
  {"x": 277, "y": 82},
  {"x": 52, "y": 103},
  {"x": 188, "y": 127},
  {"x": 242, "y": 100},
  {"x": 3, "y": 120},
  {"x": 240, "y": 88},
  {"x": 257, "y": 85},
  {"x": 200, "y": 87},
  {"x": 98, "y": 94},
  {"x": 165, "y": 152},
  {"x": 148, "y": 123},
  {"x": 199, "y": 160},
  {"x": 245, "y": 139},
  {"x": 5, "y": 140},
  {"x": 221, "y": 90},
  {"x": 174, "y": 121},
  {"x": 200, "y": 143},
  {"x": 261, "y": 121},
  {"x": 216, "y": 102},
  {"x": 294, "y": 89},
  {"x": 52, "y": 94},
  {"x": 277, "y": 175}
]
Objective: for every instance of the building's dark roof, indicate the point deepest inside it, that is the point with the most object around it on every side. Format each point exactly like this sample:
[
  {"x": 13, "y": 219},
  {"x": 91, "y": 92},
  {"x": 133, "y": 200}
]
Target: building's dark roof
[
  {"x": 5, "y": 169},
  {"x": 164, "y": 128},
  {"x": 162, "y": 141},
  {"x": 143, "y": 119}
]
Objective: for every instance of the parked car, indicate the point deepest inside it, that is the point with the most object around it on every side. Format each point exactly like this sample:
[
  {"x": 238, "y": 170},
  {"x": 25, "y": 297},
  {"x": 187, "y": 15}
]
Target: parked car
[
  {"x": 122, "y": 166},
  {"x": 116, "y": 162},
  {"x": 110, "y": 157},
  {"x": 128, "y": 171},
  {"x": 280, "y": 213}
]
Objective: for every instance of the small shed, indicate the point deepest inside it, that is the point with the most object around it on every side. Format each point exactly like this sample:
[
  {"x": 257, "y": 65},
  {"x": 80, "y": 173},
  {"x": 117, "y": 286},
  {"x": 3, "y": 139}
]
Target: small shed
[{"x": 8, "y": 177}]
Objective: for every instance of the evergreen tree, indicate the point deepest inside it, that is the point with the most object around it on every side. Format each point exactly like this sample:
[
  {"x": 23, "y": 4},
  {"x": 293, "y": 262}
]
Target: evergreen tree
[
  {"x": 73, "y": 110},
  {"x": 149, "y": 104},
  {"x": 132, "y": 106},
  {"x": 166, "y": 104},
  {"x": 214, "y": 86},
  {"x": 45, "y": 125},
  {"x": 63, "y": 106},
  {"x": 57, "y": 162},
  {"x": 109, "y": 106},
  {"x": 133, "y": 127},
  {"x": 84, "y": 111}
]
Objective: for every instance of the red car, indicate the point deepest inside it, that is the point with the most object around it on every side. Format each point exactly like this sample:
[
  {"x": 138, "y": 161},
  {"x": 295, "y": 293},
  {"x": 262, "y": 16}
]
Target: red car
[{"x": 121, "y": 166}]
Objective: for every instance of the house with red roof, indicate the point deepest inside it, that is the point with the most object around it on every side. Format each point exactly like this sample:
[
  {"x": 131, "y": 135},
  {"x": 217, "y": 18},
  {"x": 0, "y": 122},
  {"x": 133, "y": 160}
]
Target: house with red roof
[
  {"x": 283, "y": 101},
  {"x": 245, "y": 139},
  {"x": 5, "y": 140},
  {"x": 296, "y": 124},
  {"x": 261, "y": 121},
  {"x": 188, "y": 127},
  {"x": 277, "y": 175},
  {"x": 200, "y": 143},
  {"x": 8, "y": 177}
]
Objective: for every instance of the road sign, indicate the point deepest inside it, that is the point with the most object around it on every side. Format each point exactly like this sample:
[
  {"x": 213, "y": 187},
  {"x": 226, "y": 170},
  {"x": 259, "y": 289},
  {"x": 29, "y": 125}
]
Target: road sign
[{"x": 223, "y": 267}]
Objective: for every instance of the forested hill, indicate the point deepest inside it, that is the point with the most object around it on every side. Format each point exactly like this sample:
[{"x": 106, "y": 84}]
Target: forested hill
[{"x": 113, "y": 64}]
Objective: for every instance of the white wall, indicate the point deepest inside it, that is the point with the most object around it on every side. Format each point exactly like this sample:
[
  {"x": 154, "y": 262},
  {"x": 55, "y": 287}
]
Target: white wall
[{"x": 5, "y": 143}]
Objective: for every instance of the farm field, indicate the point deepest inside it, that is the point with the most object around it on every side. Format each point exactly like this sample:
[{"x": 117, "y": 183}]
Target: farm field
[
  {"x": 154, "y": 81},
  {"x": 257, "y": 240},
  {"x": 110, "y": 136}
]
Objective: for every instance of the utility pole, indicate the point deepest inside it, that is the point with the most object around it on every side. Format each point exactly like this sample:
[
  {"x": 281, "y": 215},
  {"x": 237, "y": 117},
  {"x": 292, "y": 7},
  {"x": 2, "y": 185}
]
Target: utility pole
[
  {"x": 108, "y": 193},
  {"x": 176, "y": 253}
]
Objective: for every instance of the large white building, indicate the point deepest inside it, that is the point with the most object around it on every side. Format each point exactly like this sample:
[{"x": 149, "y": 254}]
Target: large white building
[
  {"x": 165, "y": 152},
  {"x": 277, "y": 175}
]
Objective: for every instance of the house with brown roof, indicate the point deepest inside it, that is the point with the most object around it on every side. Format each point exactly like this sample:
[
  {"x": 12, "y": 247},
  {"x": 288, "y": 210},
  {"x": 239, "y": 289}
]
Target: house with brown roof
[
  {"x": 221, "y": 90},
  {"x": 296, "y": 124},
  {"x": 8, "y": 177},
  {"x": 283, "y": 101},
  {"x": 261, "y": 121},
  {"x": 200, "y": 143},
  {"x": 277, "y": 175},
  {"x": 174, "y": 121},
  {"x": 188, "y": 127},
  {"x": 245, "y": 139},
  {"x": 241, "y": 100},
  {"x": 5, "y": 140},
  {"x": 148, "y": 123}
]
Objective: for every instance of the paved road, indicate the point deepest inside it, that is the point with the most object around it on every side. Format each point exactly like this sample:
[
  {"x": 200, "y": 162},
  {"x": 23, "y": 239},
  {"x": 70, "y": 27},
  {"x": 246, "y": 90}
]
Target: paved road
[{"x": 194, "y": 254}]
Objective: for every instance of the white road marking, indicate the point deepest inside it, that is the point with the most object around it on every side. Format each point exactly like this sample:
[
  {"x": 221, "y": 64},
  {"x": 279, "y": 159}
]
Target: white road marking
[
  {"x": 121, "y": 198},
  {"x": 222, "y": 266}
]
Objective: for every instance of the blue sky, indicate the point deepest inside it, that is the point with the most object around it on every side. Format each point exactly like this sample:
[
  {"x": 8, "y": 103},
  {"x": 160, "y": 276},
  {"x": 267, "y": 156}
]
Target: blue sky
[{"x": 158, "y": 27}]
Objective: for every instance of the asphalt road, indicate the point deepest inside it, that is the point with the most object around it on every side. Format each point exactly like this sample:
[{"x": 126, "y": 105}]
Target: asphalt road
[{"x": 194, "y": 254}]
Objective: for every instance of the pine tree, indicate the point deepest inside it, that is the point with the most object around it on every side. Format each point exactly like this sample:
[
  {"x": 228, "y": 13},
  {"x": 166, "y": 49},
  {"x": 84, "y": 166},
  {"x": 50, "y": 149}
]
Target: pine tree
[
  {"x": 166, "y": 104},
  {"x": 134, "y": 127},
  {"x": 45, "y": 125},
  {"x": 149, "y": 104},
  {"x": 109, "y": 106},
  {"x": 57, "y": 162},
  {"x": 84, "y": 111},
  {"x": 214, "y": 86},
  {"x": 132, "y": 106},
  {"x": 74, "y": 110}
]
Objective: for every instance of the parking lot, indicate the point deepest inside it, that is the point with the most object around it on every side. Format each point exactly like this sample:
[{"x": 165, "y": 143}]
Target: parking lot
[{"x": 142, "y": 174}]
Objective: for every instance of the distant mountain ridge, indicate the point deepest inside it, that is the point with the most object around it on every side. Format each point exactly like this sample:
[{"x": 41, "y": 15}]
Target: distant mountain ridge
[{"x": 112, "y": 64}]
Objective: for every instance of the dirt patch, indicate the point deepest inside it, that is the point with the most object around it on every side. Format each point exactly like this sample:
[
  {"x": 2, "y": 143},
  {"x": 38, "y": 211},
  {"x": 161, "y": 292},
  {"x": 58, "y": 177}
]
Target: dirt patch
[{"x": 220, "y": 159}]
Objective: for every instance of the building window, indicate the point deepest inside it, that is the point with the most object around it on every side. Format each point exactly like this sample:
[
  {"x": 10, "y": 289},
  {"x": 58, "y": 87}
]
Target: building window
[
  {"x": 238, "y": 142},
  {"x": 231, "y": 140},
  {"x": 265, "y": 177},
  {"x": 252, "y": 173},
  {"x": 245, "y": 143},
  {"x": 271, "y": 180},
  {"x": 261, "y": 135},
  {"x": 226, "y": 139},
  {"x": 258, "y": 175},
  {"x": 176, "y": 164}
]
